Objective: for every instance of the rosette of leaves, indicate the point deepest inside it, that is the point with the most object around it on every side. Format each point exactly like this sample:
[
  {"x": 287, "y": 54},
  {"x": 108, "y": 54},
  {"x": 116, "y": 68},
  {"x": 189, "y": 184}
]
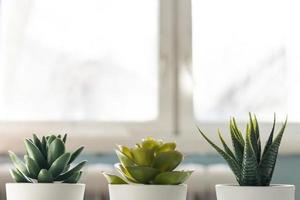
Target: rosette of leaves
[
  {"x": 250, "y": 165},
  {"x": 149, "y": 162},
  {"x": 46, "y": 161}
]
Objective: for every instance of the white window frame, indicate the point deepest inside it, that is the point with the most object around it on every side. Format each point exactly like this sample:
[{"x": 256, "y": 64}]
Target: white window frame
[
  {"x": 187, "y": 122},
  {"x": 176, "y": 119},
  {"x": 90, "y": 131}
]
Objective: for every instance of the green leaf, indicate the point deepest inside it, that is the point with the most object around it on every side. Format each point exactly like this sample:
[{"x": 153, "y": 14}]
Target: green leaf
[
  {"x": 172, "y": 178},
  {"x": 18, "y": 163},
  {"x": 253, "y": 138},
  {"x": 268, "y": 162},
  {"x": 113, "y": 179},
  {"x": 75, "y": 154},
  {"x": 150, "y": 144},
  {"x": 44, "y": 146},
  {"x": 126, "y": 161},
  {"x": 19, "y": 177},
  {"x": 59, "y": 164},
  {"x": 37, "y": 142},
  {"x": 126, "y": 151},
  {"x": 237, "y": 131},
  {"x": 237, "y": 142},
  {"x": 124, "y": 172},
  {"x": 55, "y": 150},
  {"x": 270, "y": 139},
  {"x": 142, "y": 174},
  {"x": 166, "y": 147},
  {"x": 32, "y": 167},
  {"x": 72, "y": 171},
  {"x": 142, "y": 157},
  {"x": 249, "y": 176},
  {"x": 65, "y": 138},
  {"x": 34, "y": 153},
  {"x": 235, "y": 167},
  {"x": 45, "y": 176},
  {"x": 74, "y": 178},
  {"x": 167, "y": 161},
  {"x": 256, "y": 128},
  {"x": 226, "y": 148},
  {"x": 50, "y": 139}
]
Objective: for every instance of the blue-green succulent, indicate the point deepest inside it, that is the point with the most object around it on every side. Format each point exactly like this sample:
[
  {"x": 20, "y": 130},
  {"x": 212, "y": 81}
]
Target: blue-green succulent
[{"x": 46, "y": 161}]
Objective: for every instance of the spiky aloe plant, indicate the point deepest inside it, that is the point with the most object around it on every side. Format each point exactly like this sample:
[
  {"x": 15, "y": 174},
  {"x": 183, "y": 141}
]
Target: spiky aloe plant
[
  {"x": 149, "y": 162},
  {"x": 46, "y": 161},
  {"x": 250, "y": 166}
]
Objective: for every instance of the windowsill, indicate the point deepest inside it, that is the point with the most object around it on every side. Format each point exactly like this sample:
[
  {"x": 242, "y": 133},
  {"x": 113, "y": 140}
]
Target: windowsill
[{"x": 106, "y": 144}]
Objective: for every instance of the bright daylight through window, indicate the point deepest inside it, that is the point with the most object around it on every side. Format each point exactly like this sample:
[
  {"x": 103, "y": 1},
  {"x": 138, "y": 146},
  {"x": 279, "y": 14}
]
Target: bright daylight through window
[
  {"x": 246, "y": 58},
  {"x": 81, "y": 61}
]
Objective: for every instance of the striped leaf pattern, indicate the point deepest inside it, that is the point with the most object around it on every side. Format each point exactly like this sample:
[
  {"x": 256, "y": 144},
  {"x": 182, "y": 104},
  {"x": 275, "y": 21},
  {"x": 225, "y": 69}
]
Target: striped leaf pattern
[{"x": 250, "y": 166}]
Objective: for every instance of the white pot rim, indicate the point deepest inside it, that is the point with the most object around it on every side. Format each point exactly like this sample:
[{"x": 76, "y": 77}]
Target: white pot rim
[
  {"x": 146, "y": 186},
  {"x": 256, "y": 187},
  {"x": 46, "y": 184}
]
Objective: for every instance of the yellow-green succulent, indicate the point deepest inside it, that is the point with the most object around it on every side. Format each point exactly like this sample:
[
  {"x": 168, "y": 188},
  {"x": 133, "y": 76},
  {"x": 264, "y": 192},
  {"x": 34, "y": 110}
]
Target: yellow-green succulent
[{"x": 149, "y": 162}]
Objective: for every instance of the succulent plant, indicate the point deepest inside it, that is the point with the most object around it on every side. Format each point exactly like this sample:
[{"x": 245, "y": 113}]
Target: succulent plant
[
  {"x": 46, "y": 161},
  {"x": 149, "y": 162},
  {"x": 250, "y": 165}
]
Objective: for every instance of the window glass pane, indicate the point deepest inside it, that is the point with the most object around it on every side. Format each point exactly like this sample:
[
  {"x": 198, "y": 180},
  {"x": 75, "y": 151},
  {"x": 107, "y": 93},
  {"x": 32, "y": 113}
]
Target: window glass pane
[
  {"x": 246, "y": 57},
  {"x": 80, "y": 60}
]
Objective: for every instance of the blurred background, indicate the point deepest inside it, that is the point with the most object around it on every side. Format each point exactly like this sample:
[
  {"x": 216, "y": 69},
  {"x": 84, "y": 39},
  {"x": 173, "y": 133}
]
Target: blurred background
[{"x": 112, "y": 72}]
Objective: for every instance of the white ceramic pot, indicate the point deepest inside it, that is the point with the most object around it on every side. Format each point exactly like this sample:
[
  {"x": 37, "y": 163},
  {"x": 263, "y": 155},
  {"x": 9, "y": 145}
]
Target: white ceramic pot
[
  {"x": 44, "y": 191},
  {"x": 148, "y": 192},
  {"x": 273, "y": 192}
]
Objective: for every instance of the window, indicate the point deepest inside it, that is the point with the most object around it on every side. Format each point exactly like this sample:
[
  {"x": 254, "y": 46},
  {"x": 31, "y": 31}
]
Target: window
[
  {"x": 81, "y": 61},
  {"x": 133, "y": 67},
  {"x": 245, "y": 58}
]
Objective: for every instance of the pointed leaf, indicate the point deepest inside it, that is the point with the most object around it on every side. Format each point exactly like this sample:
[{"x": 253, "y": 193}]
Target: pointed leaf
[
  {"x": 124, "y": 172},
  {"x": 269, "y": 158},
  {"x": 32, "y": 167},
  {"x": 226, "y": 148},
  {"x": 270, "y": 139},
  {"x": 253, "y": 138},
  {"x": 65, "y": 138},
  {"x": 74, "y": 178},
  {"x": 19, "y": 177},
  {"x": 113, "y": 179},
  {"x": 50, "y": 139},
  {"x": 34, "y": 153},
  {"x": 44, "y": 146},
  {"x": 18, "y": 163},
  {"x": 126, "y": 161},
  {"x": 249, "y": 176},
  {"x": 237, "y": 131},
  {"x": 55, "y": 150},
  {"x": 237, "y": 143},
  {"x": 45, "y": 176},
  {"x": 75, "y": 154},
  {"x": 72, "y": 171},
  {"x": 235, "y": 167},
  {"x": 59, "y": 164},
  {"x": 126, "y": 151},
  {"x": 256, "y": 128},
  {"x": 37, "y": 141}
]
